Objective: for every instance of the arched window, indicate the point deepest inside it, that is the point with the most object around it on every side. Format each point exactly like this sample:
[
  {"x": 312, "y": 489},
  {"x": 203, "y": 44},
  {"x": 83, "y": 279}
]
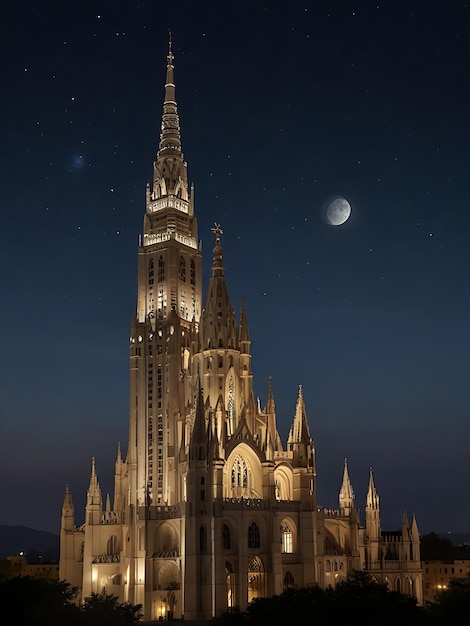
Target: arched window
[
  {"x": 255, "y": 579},
  {"x": 254, "y": 541},
  {"x": 182, "y": 269},
  {"x": 151, "y": 273},
  {"x": 192, "y": 272},
  {"x": 239, "y": 473},
  {"x": 161, "y": 269},
  {"x": 328, "y": 566},
  {"x": 226, "y": 536},
  {"x": 111, "y": 548},
  {"x": 288, "y": 580},
  {"x": 286, "y": 538}
]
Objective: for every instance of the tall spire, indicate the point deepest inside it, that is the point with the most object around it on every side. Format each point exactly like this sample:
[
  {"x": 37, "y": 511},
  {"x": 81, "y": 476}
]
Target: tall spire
[
  {"x": 170, "y": 138},
  {"x": 218, "y": 323}
]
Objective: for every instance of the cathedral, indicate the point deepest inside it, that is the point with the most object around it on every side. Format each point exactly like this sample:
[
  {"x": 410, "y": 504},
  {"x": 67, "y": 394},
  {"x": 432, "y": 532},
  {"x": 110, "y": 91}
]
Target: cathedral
[{"x": 210, "y": 510}]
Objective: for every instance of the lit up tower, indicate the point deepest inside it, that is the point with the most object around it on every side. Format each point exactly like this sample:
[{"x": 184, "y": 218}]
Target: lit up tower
[{"x": 168, "y": 312}]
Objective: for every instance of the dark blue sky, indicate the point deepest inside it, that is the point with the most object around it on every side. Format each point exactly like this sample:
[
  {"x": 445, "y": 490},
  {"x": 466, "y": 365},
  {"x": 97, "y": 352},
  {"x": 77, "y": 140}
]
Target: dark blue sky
[{"x": 281, "y": 107}]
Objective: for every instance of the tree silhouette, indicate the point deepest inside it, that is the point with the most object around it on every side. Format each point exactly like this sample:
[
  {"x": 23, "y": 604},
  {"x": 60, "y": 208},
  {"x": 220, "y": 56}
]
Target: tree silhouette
[
  {"x": 101, "y": 609},
  {"x": 453, "y": 604},
  {"x": 359, "y": 600},
  {"x": 26, "y": 601}
]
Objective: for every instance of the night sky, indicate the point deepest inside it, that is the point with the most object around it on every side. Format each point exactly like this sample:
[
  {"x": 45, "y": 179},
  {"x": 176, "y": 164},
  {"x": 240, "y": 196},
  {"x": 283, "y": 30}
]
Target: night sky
[{"x": 283, "y": 105}]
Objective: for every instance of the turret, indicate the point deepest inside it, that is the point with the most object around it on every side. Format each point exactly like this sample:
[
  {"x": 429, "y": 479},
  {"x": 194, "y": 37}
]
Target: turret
[
  {"x": 243, "y": 334},
  {"x": 67, "y": 563},
  {"x": 119, "y": 470},
  {"x": 346, "y": 493},
  {"x": 68, "y": 511},
  {"x": 372, "y": 520},
  {"x": 94, "y": 502},
  {"x": 301, "y": 451},
  {"x": 299, "y": 441},
  {"x": 198, "y": 444},
  {"x": 270, "y": 410},
  {"x": 415, "y": 541},
  {"x": 405, "y": 527}
]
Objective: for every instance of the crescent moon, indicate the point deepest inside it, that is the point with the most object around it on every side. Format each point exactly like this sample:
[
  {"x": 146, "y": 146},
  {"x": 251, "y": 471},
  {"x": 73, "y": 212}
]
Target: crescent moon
[{"x": 338, "y": 211}]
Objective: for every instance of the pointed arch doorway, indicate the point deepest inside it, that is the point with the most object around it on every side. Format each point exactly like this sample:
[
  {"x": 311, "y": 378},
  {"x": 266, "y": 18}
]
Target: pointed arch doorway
[{"x": 255, "y": 579}]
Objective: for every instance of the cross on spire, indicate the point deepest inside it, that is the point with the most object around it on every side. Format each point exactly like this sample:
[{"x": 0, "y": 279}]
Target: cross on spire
[{"x": 217, "y": 230}]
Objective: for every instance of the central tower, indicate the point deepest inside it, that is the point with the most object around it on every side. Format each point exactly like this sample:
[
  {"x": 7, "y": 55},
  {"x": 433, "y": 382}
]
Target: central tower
[{"x": 168, "y": 311}]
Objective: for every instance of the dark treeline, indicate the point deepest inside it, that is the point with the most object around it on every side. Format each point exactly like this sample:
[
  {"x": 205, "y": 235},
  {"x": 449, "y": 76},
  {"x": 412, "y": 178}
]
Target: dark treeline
[
  {"x": 27, "y": 601},
  {"x": 359, "y": 600}
]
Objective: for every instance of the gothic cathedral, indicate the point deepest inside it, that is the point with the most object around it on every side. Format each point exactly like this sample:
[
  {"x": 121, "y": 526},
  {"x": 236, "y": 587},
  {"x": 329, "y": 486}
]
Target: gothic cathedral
[{"x": 210, "y": 510}]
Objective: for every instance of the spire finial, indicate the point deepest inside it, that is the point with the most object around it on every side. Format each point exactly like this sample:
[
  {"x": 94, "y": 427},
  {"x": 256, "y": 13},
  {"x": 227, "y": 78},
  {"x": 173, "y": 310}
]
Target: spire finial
[
  {"x": 217, "y": 267},
  {"x": 217, "y": 230},
  {"x": 170, "y": 56}
]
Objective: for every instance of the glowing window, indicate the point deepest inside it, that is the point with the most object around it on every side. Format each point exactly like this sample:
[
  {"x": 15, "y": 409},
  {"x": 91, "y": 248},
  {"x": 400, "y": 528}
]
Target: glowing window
[
  {"x": 286, "y": 538},
  {"x": 239, "y": 473}
]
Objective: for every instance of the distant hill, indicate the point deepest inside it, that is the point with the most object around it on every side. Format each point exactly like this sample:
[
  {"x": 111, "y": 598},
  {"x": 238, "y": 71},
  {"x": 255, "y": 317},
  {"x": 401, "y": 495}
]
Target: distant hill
[{"x": 34, "y": 543}]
